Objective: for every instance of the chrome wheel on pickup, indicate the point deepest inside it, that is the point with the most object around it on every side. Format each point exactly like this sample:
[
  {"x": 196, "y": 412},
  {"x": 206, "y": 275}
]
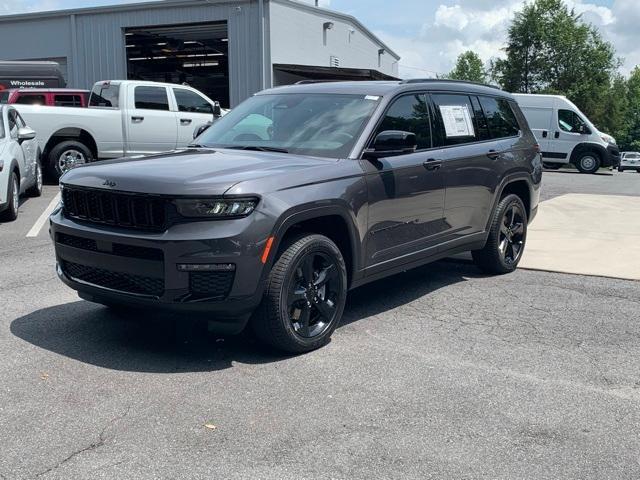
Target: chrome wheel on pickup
[{"x": 67, "y": 155}]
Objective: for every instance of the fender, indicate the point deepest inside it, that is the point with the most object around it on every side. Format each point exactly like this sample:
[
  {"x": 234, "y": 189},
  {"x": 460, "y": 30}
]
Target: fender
[
  {"x": 309, "y": 212},
  {"x": 506, "y": 180},
  {"x": 581, "y": 147}
]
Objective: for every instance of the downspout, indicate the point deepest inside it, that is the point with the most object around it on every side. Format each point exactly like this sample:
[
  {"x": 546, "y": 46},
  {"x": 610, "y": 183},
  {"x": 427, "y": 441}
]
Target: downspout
[{"x": 263, "y": 54}]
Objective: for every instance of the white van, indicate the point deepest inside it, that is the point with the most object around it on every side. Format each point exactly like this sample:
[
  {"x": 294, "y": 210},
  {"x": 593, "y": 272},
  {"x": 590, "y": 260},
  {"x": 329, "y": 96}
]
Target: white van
[{"x": 566, "y": 135}]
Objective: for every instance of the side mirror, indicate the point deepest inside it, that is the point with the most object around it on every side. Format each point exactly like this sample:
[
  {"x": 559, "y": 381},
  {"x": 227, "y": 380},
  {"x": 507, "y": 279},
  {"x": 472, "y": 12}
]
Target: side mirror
[
  {"x": 216, "y": 110},
  {"x": 200, "y": 129},
  {"x": 584, "y": 130},
  {"x": 392, "y": 142},
  {"x": 26, "y": 133}
]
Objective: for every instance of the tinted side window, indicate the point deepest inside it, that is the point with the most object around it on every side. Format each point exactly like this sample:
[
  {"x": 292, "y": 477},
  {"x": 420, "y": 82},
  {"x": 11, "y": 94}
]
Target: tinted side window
[
  {"x": 67, "y": 101},
  {"x": 570, "y": 121},
  {"x": 105, "y": 95},
  {"x": 151, "y": 98},
  {"x": 409, "y": 113},
  {"x": 31, "y": 99},
  {"x": 191, "y": 102},
  {"x": 500, "y": 118},
  {"x": 481, "y": 120},
  {"x": 456, "y": 116},
  {"x": 13, "y": 124}
]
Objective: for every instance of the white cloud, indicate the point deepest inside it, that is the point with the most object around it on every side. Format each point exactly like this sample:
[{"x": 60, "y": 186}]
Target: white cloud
[
  {"x": 9, "y": 7},
  {"x": 481, "y": 26}
]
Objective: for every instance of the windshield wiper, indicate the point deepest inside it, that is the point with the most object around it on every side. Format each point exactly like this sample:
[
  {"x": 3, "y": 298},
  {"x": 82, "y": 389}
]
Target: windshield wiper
[
  {"x": 259, "y": 148},
  {"x": 197, "y": 145}
]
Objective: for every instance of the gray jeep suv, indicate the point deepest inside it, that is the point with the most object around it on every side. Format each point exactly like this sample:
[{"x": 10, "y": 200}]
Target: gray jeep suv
[{"x": 298, "y": 195}]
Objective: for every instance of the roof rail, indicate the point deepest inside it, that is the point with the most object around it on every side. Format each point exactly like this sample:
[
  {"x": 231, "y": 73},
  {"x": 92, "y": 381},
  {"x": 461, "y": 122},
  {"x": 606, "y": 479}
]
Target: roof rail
[
  {"x": 437, "y": 80},
  {"x": 302, "y": 82}
]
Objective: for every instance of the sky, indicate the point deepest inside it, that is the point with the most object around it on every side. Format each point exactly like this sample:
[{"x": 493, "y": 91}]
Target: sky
[{"x": 430, "y": 34}]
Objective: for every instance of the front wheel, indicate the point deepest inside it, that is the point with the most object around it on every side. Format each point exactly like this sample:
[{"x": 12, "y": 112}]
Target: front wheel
[
  {"x": 304, "y": 297},
  {"x": 507, "y": 237},
  {"x": 11, "y": 212},
  {"x": 588, "y": 162},
  {"x": 36, "y": 189}
]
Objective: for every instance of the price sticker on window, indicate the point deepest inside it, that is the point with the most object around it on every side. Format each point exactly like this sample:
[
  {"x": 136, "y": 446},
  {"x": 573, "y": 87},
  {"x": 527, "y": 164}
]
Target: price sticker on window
[{"x": 457, "y": 120}]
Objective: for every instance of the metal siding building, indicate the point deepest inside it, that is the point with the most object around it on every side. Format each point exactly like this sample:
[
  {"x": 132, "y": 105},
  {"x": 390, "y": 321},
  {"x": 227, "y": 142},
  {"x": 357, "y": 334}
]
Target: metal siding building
[{"x": 91, "y": 45}]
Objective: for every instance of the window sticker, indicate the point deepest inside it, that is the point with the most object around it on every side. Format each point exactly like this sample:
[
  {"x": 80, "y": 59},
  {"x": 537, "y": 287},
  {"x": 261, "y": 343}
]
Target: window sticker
[
  {"x": 375, "y": 98},
  {"x": 457, "y": 120}
]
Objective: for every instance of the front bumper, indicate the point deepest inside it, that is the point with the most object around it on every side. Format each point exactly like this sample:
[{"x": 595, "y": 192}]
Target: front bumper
[
  {"x": 613, "y": 156},
  {"x": 141, "y": 269}
]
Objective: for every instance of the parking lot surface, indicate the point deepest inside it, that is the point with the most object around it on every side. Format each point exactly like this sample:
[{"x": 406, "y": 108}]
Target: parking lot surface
[{"x": 440, "y": 372}]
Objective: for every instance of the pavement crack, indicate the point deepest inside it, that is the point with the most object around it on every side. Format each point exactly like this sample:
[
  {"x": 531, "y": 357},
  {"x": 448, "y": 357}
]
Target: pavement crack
[{"x": 101, "y": 440}]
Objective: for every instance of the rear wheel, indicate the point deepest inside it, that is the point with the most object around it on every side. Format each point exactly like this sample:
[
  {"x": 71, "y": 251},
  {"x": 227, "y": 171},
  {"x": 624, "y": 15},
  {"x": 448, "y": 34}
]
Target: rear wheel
[
  {"x": 304, "y": 297},
  {"x": 507, "y": 237},
  {"x": 588, "y": 162},
  {"x": 66, "y": 155},
  {"x": 11, "y": 212},
  {"x": 36, "y": 189}
]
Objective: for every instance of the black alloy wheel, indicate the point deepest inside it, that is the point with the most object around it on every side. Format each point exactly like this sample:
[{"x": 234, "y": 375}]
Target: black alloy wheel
[
  {"x": 313, "y": 294},
  {"x": 511, "y": 240}
]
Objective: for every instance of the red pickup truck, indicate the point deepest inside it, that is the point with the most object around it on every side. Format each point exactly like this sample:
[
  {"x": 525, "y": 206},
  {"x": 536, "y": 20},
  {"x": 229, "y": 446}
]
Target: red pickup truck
[{"x": 53, "y": 97}]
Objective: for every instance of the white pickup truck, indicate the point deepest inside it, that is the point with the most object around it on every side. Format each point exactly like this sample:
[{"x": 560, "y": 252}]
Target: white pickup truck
[{"x": 124, "y": 118}]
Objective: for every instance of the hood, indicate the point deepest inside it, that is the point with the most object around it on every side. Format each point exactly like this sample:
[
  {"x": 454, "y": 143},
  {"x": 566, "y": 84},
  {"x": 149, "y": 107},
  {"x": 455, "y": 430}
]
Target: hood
[{"x": 188, "y": 172}]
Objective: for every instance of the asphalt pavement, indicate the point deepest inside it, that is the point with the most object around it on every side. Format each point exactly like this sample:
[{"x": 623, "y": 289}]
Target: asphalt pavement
[{"x": 437, "y": 373}]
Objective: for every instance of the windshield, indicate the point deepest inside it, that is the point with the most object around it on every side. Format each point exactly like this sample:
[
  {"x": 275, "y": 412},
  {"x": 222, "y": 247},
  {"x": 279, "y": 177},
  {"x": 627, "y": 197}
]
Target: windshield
[
  {"x": 323, "y": 125},
  {"x": 4, "y": 96}
]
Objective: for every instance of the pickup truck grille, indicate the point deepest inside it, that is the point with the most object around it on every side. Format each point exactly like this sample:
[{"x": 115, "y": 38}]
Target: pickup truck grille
[{"x": 115, "y": 208}]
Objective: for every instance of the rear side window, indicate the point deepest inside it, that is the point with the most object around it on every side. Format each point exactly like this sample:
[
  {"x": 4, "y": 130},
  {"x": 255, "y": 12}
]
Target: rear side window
[
  {"x": 481, "y": 120},
  {"x": 151, "y": 98},
  {"x": 409, "y": 113},
  {"x": 191, "y": 102},
  {"x": 4, "y": 97},
  {"x": 67, "y": 101},
  {"x": 105, "y": 95},
  {"x": 31, "y": 99},
  {"x": 457, "y": 118},
  {"x": 501, "y": 120}
]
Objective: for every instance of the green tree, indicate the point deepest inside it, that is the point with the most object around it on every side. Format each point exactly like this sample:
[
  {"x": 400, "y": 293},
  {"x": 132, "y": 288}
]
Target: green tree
[
  {"x": 469, "y": 67},
  {"x": 631, "y": 139},
  {"x": 551, "y": 50}
]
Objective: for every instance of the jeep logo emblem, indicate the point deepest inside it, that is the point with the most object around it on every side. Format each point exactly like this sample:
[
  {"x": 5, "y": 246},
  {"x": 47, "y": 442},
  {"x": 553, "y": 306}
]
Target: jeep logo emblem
[{"x": 109, "y": 183}]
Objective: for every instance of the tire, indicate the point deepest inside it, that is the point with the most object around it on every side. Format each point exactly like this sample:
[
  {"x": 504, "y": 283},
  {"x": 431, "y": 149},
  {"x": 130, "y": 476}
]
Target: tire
[
  {"x": 507, "y": 237},
  {"x": 588, "y": 162},
  {"x": 65, "y": 156},
  {"x": 551, "y": 166},
  {"x": 36, "y": 189},
  {"x": 10, "y": 213},
  {"x": 294, "y": 316}
]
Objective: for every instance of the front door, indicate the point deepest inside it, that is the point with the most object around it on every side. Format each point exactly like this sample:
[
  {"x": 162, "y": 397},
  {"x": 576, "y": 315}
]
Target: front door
[
  {"x": 406, "y": 192},
  {"x": 151, "y": 126},
  {"x": 569, "y": 130},
  {"x": 193, "y": 111}
]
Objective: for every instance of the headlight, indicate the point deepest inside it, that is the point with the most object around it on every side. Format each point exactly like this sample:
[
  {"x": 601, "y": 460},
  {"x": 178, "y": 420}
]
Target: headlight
[{"x": 216, "y": 207}]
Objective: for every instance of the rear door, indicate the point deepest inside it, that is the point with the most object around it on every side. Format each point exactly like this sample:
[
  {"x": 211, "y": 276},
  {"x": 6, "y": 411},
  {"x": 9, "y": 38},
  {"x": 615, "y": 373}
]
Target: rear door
[
  {"x": 406, "y": 192},
  {"x": 151, "y": 125},
  {"x": 193, "y": 111},
  {"x": 469, "y": 156}
]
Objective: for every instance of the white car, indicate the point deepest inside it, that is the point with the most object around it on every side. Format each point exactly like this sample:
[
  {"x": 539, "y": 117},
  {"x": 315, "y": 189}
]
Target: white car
[
  {"x": 124, "y": 118},
  {"x": 630, "y": 161},
  {"x": 566, "y": 135},
  {"x": 20, "y": 170}
]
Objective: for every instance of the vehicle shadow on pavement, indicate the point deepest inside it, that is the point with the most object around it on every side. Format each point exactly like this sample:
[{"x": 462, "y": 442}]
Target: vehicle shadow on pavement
[{"x": 155, "y": 343}]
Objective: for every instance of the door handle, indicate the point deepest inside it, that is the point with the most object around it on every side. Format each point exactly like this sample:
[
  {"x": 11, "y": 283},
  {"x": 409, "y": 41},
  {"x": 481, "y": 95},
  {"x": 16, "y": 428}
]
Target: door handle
[
  {"x": 185, "y": 121},
  {"x": 136, "y": 119},
  {"x": 544, "y": 134},
  {"x": 432, "y": 164},
  {"x": 556, "y": 135},
  {"x": 493, "y": 154}
]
